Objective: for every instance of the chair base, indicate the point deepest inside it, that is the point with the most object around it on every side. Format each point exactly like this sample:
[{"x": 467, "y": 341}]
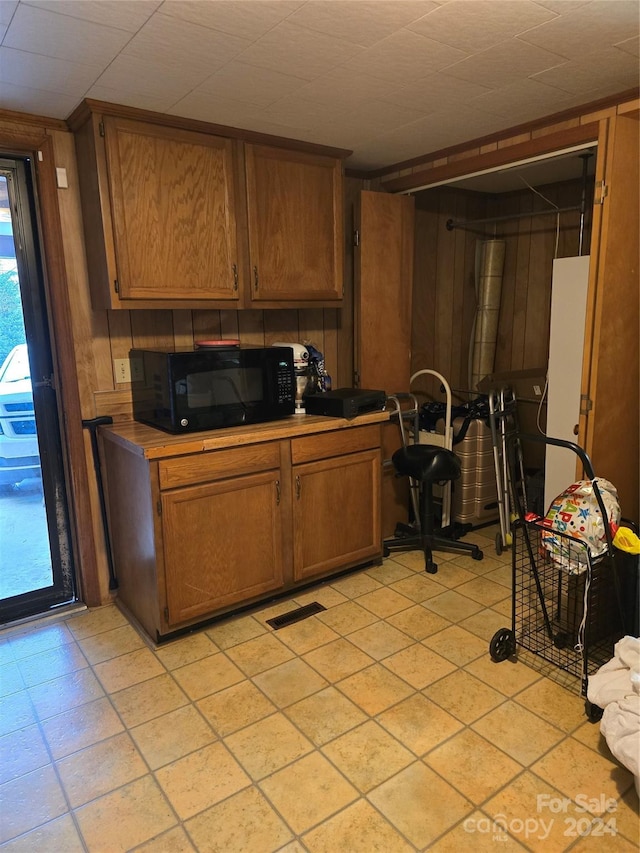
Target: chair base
[{"x": 428, "y": 544}]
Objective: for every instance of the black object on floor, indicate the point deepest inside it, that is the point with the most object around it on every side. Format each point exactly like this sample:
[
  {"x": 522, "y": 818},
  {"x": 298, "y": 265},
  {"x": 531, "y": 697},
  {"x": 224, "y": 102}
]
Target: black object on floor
[{"x": 295, "y": 615}]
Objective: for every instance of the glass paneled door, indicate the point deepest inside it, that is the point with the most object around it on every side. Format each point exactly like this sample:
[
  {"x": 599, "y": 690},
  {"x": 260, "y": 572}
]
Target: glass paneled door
[{"x": 36, "y": 565}]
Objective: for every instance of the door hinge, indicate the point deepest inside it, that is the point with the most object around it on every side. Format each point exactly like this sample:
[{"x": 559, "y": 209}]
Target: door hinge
[
  {"x": 586, "y": 404},
  {"x": 159, "y": 506},
  {"x": 356, "y": 238},
  {"x": 235, "y": 276},
  {"x": 603, "y": 191},
  {"x": 116, "y": 285},
  {"x": 101, "y": 128}
]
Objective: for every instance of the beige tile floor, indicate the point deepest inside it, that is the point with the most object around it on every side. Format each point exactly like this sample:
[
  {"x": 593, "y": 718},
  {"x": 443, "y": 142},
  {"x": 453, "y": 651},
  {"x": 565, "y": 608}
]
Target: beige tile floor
[{"x": 381, "y": 724}]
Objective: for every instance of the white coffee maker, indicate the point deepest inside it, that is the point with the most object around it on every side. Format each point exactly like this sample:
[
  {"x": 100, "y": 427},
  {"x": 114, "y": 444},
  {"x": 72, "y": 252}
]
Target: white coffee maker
[{"x": 301, "y": 370}]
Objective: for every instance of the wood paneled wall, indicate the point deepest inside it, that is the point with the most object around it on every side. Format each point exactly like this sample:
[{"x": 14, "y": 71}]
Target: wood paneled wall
[{"x": 444, "y": 282}]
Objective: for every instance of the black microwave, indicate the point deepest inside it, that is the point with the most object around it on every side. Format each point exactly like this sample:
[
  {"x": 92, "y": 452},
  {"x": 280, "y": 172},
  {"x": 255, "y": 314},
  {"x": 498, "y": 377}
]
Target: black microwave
[{"x": 201, "y": 389}]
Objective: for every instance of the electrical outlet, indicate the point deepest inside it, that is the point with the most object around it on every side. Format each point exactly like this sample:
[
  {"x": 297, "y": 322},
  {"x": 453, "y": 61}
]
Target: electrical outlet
[{"x": 122, "y": 370}]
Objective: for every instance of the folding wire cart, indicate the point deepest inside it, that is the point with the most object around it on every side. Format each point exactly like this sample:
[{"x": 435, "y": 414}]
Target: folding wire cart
[{"x": 566, "y": 602}]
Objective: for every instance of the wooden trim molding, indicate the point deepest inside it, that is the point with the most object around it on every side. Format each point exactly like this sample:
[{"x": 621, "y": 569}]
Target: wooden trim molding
[
  {"x": 495, "y": 159},
  {"x": 22, "y": 142}
]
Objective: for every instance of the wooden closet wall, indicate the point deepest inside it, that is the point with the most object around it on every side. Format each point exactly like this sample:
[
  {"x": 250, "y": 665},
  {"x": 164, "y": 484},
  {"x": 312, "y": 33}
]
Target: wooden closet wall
[{"x": 444, "y": 290}]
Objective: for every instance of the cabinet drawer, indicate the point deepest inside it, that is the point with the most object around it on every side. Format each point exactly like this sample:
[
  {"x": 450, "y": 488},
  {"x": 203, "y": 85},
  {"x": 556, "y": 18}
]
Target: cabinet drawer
[
  {"x": 326, "y": 444},
  {"x": 218, "y": 464}
]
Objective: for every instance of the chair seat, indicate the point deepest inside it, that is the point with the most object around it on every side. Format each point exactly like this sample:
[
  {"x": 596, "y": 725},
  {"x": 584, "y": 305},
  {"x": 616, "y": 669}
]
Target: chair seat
[{"x": 427, "y": 463}]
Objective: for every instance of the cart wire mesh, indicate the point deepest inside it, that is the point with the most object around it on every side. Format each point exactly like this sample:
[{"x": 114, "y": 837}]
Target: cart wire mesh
[{"x": 566, "y": 606}]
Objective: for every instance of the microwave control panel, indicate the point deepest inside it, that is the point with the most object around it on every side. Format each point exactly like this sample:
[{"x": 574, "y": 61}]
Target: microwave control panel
[{"x": 285, "y": 378}]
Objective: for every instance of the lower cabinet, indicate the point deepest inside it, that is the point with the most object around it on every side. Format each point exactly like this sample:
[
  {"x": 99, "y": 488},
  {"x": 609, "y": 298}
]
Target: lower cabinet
[
  {"x": 201, "y": 534},
  {"x": 222, "y": 544},
  {"x": 335, "y": 513},
  {"x": 336, "y": 500}
]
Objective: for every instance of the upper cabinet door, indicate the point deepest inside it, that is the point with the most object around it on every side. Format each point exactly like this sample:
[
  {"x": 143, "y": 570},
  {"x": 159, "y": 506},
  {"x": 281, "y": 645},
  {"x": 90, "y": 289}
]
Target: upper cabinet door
[
  {"x": 295, "y": 226},
  {"x": 173, "y": 210}
]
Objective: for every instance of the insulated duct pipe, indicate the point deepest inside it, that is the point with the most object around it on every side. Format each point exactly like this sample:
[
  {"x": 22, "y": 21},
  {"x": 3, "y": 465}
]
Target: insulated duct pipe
[{"x": 489, "y": 270}]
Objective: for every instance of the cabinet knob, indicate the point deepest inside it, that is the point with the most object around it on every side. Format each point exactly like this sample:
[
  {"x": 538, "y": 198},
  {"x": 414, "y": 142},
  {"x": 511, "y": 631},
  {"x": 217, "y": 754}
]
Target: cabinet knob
[{"x": 255, "y": 278}]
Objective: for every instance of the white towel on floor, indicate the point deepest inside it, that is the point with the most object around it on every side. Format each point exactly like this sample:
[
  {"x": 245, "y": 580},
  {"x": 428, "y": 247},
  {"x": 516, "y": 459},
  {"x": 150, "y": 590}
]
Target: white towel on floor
[{"x": 616, "y": 688}]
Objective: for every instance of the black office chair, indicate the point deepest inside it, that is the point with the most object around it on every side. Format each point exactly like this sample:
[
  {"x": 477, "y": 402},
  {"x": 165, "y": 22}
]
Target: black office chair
[{"x": 428, "y": 465}]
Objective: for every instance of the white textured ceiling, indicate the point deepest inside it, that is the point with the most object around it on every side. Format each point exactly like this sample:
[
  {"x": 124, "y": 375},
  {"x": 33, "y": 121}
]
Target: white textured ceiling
[{"x": 389, "y": 79}]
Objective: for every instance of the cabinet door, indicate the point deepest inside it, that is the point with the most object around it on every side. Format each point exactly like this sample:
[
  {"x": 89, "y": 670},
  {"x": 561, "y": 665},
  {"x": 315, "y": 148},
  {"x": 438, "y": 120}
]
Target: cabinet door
[
  {"x": 173, "y": 210},
  {"x": 222, "y": 544},
  {"x": 336, "y": 513},
  {"x": 295, "y": 225}
]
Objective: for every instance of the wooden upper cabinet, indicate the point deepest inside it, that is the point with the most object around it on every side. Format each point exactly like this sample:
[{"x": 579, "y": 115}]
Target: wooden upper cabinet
[
  {"x": 159, "y": 212},
  {"x": 294, "y": 202},
  {"x": 173, "y": 212}
]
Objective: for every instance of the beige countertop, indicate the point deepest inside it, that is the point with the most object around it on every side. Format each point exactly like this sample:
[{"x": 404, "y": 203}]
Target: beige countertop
[{"x": 153, "y": 443}]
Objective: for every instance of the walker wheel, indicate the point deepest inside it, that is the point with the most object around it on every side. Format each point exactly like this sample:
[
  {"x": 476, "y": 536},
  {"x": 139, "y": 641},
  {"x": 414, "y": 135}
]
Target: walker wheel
[
  {"x": 477, "y": 554},
  {"x": 502, "y": 645},
  {"x": 431, "y": 567},
  {"x": 561, "y": 640},
  {"x": 498, "y": 544}
]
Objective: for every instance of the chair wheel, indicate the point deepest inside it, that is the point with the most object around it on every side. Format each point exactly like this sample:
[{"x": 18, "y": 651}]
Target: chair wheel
[
  {"x": 477, "y": 554},
  {"x": 431, "y": 567},
  {"x": 385, "y": 551},
  {"x": 502, "y": 645}
]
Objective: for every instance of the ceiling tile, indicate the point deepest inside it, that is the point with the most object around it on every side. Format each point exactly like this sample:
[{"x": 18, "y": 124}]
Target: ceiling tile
[
  {"x": 139, "y": 100},
  {"x": 403, "y": 57},
  {"x": 508, "y": 60},
  {"x": 249, "y": 19},
  {"x": 250, "y": 84},
  {"x": 165, "y": 39},
  {"x": 345, "y": 90},
  {"x": 45, "y": 72},
  {"x": 206, "y": 107},
  {"x": 111, "y": 13},
  {"x": 431, "y": 92},
  {"x": 150, "y": 79},
  {"x": 631, "y": 46},
  {"x": 303, "y": 53},
  {"x": 7, "y": 8},
  {"x": 36, "y": 101},
  {"x": 474, "y": 25},
  {"x": 291, "y": 111},
  {"x": 521, "y": 98},
  {"x": 362, "y": 22},
  {"x": 602, "y": 22},
  {"x": 40, "y": 31},
  {"x": 576, "y": 77}
]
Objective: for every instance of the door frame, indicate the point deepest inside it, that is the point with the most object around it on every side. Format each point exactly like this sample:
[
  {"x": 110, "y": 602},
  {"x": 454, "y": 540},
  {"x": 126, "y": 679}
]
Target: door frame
[
  {"x": 600, "y": 133},
  {"x": 24, "y": 140}
]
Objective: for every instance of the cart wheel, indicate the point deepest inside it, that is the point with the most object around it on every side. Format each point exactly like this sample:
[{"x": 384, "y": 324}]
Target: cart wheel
[
  {"x": 431, "y": 567},
  {"x": 502, "y": 645},
  {"x": 594, "y": 712},
  {"x": 498, "y": 544},
  {"x": 476, "y": 554}
]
